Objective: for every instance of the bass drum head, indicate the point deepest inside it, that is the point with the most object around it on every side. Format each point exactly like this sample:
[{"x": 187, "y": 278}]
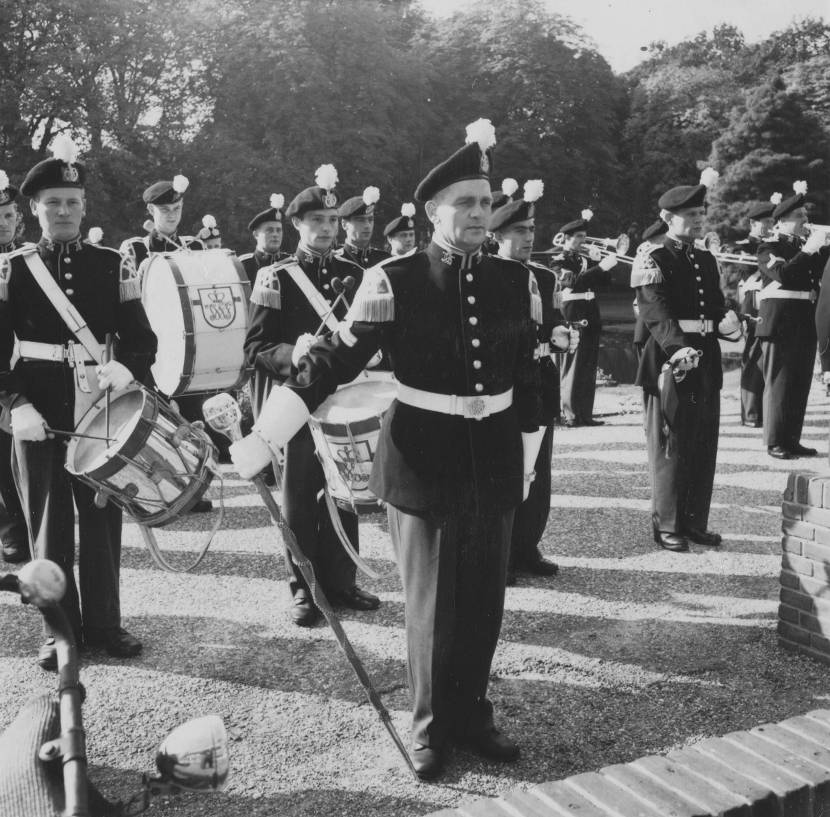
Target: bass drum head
[
  {"x": 357, "y": 401},
  {"x": 162, "y": 303}
]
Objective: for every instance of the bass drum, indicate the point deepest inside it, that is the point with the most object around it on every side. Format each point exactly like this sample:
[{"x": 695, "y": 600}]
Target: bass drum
[{"x": 197, "y": 304}]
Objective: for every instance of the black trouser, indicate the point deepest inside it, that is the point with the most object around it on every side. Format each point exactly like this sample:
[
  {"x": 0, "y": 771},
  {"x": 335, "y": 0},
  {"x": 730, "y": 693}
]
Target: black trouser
[
  {"x": 788, "y": 375},
  {"x": 532, "y": 515},
  {"x": 453, "y": 571},
  {"x": 47, "y": 490},
  {"x": 682, "y": 463},
  {"x": 752, "y": 379},
  {"x": 579, "y": 378},
  {"x": 306, "y": 514},
  {"x": 12, "y": 522}
]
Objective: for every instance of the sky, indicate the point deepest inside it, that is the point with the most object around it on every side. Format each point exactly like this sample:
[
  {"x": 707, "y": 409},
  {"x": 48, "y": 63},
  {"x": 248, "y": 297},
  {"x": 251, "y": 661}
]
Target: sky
[{"x": 621, "y": 27}]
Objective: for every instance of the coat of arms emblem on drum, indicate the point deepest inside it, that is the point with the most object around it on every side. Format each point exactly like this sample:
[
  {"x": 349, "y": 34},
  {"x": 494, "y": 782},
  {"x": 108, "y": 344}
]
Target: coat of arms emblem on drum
[{"x": 218, "y": 306}]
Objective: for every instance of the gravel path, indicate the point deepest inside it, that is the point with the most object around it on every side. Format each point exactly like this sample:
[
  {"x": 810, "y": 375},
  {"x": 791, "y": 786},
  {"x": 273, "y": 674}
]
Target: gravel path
[{"x": 630, "y": 650}]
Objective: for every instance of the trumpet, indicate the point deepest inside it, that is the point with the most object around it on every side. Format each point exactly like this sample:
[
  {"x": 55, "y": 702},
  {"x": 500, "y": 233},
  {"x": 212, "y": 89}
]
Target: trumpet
[{"x": 740, "y": 258}]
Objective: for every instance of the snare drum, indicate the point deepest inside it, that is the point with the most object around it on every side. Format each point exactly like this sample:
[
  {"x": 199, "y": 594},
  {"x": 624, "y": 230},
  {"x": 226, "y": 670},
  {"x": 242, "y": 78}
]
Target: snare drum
[
  {"x": 197, "y": 304},
  {"x": 346, "y": 428},
  {"x": 156, "y": 465}
]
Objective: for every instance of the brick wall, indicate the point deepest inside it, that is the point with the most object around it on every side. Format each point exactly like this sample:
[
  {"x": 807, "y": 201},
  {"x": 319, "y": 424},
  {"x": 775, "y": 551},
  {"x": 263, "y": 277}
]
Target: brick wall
[{"x": 804, "y": 612}]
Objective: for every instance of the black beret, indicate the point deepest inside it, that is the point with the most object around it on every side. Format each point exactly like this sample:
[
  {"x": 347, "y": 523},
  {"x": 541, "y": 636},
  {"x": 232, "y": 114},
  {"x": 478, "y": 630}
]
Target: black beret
[
  {"x": 312, "y": 198},
  {"x": 580, "y": 225},
  {"x": 399, "y": 225},
  {"x": 788, "y": 205},
  {"x": 500, "y": 198},
  {"x": 511, "y": 213},
  {"x": 762, "y": 209},
  {"x": 469, "y": 162},
  {"x": 271, "y": 214},
  {"x": 53, "y": 173},
  {"x": 363, "y": 205},
  {"x": 653, "y": 230},
  {"x": 680, "y": 198},
  {"x": 166, "y": 192},
  {"x": 8, "y": 195}
]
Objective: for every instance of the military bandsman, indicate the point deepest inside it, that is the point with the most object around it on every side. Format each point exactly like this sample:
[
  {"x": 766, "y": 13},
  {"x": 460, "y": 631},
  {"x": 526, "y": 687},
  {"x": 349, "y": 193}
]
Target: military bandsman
[
  {"x": 267, "y": 229},
  {"x": 400, "y": 232},
  {"x": 357, "y": 217},
  {"x": 209, "y": 233}
]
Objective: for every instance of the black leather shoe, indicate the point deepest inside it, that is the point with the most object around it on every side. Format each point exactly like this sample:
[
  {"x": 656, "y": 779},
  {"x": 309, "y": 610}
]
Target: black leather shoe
[
  {"x": 115, "y": 640},
  {"x": 538, "y": 567},
  {"x": 16, "y": 552},
  {"x": 574, "y": 423},
  {"x": 669, "y": 540},
  {"x": 492, "y": 744},
  {"x": 304, "y": 612},
  {"x": 427, "y": 760},
  {"x": 802, "y": 451},
  {"x": 703, "y": 537},
  {"x": 202, "y": 506},
  {"x": 47, "y": 656},
  {"x": 356, "y": 599},
  {"x": 593, "y": 422},
  {"x": 780, "y": 453}
]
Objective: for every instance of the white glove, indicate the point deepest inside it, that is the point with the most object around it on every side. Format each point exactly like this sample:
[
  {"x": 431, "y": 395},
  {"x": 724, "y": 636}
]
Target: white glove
[
  {"x": 609, "y": 262},
  {"x": 594, "y": 253},
  {"x": 28, "y": 424},
  {"x": 565, "y": 338},
  {"x": 250, "y": 455},
  {"x": 685, "y": 359},
  {"x": 301, "y": 347},
  {"x": 816, "y": 240},
  {"x": 730, "y": 324},
  {"x": 825, "y": 378},
  {"x": 531, "y": 443},
  {"x": 115, "y": 375}
]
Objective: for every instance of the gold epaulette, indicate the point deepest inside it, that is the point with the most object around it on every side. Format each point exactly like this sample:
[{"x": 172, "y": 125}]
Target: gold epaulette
[
  {"x": 374, "y": 301},
  {"x": 644, "y": 270},
  {"x": 535, "y": 298},
  {"x": 266, "y": 291},
  {"x": 129, "y": 282}
]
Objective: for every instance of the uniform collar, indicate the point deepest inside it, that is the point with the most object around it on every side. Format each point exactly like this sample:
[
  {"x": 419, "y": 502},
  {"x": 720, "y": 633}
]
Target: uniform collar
[
  {"x": 357, "y": 252},
  {"x": 305, "y": 255},
  {"x": 267, "y": 257},
  {"x": 10, "y": 247},
  {"x": 452, "y": 257},
  {"x": 160, "y": 238},
  {"x": 789, "y": 239},
  {"x": 60, "y": 247}
]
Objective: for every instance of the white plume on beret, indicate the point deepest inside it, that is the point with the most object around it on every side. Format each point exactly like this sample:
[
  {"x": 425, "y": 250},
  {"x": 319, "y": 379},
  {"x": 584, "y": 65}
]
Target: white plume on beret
[
  {"x": 509, "y": 186},
  {"x": 800, "y": 188},
  {"x": 708, "y": 176},
  {"x": 483, "y": 132},
  {"x": 209, "y": 221},
  {"x": 4, "y": 180},
  {"x": 277, "y": 201},
  {"x": 408, "y": 209},
  {"x": 533, "y": 190},
  {"x": 776, "y": 198},
  {"x": 95, "y": 235},
  {"x": 587, "y": 214},
  {"x": 64, "y": 148},
  {"x": 371, "y": 195},
  {"x": 180, "y": 183},
  {"x": 326, "y": 177}
]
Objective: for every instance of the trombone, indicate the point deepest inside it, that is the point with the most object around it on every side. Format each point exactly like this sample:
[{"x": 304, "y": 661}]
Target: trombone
[
  {"x": 711, "y": 242},
  {"x": 617, "y": 246}
]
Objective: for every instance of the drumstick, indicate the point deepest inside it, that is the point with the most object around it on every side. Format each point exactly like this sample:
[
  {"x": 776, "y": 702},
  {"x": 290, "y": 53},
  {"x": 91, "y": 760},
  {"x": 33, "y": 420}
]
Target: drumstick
[
  {"x": 340, "y": 288},
  {"x": 49, "y": 430},
  {"x": 107, "y": 359}
]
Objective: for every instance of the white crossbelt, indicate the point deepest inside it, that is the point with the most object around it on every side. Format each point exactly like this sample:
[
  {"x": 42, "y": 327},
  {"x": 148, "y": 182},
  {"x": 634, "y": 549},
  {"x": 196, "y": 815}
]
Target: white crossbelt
[
  {"x": 577, "y": 296},
  {"x": 55, "y": 352},
  {"x": 701, "y": 326},
  {"x": 473, "y": 407},
  {"x": 788, "y": 294}
]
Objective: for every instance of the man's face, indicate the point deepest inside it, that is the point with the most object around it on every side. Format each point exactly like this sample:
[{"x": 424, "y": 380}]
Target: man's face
[
  {"x": 793, "y": 223},
  {"x": 460, "y": 213},
  {"x": 9, "y": 219},
  {"x": 686, "y": 223},
  {"x": 574, "y": 240},
  {"x": 516, "y": 241},
  {"x": 402, "y": 242},
  {"x": 317, "y": 229},
  {"x": 268, "y": 236},
  {"x": 760, "y": 226},
  {"x": 213, "y": 243},
  {"x": 359, "y": 230},
  {"x": 59, "y": 211},
  {"x": 166, "y": 217}
]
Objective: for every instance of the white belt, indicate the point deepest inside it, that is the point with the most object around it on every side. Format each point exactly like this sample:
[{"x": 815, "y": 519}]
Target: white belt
[
  {"x": 473, "y": 407},
  {"x": 701, "y": 326},
  {"x": 58, "y": 353},
  {"x": 578, "y": 296},
  {"x": 788, "y": 294}
]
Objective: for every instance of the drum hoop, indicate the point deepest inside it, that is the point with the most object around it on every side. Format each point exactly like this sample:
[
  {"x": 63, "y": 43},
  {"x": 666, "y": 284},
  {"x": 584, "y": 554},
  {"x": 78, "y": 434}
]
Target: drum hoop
[{"x": 189, "y": 330}]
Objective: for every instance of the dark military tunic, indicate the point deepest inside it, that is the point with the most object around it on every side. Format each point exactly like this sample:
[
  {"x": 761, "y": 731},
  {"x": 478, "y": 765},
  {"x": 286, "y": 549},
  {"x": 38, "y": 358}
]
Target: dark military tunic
[
  {"x": 13, "y": 530},
  {"x": 752, "y": 368},
  {"x": 579, "y": 370},
  {"x": 141, "y": 247},
  {"x": 279, "y": 314},
  {"x": 254, "y": 261},
  {"x": 674, "y": 282},
  {"x": 104, "y": 288},
  {"x": 788, "y": 335},
  {"x": 453, "y": 325},
  {"x": 364, "y": 257}
]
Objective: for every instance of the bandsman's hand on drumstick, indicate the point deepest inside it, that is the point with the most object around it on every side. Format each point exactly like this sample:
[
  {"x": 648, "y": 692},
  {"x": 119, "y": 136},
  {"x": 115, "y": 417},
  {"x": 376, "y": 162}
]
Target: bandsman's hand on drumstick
[
  {"x": 685, "y": 359},
  {"x": 114, "y": 375},
  {"x": 28, "y": 424},
  {"x": 301, "y": 347},
  {"x": 565, "y": 338}
]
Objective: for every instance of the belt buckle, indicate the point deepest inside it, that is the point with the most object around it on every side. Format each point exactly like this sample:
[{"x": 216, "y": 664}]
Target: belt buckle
[{"x": 475, "y": 408}]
